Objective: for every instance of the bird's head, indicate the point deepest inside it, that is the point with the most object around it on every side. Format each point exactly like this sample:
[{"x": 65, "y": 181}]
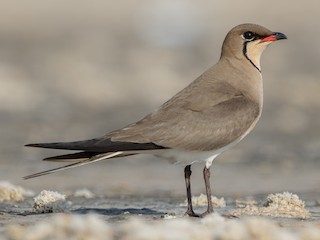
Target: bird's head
[{"x": 248, "y": 41}]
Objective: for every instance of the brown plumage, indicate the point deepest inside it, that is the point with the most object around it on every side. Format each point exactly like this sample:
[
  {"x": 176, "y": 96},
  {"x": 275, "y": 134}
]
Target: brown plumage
[{"x": 207, "y": 117}]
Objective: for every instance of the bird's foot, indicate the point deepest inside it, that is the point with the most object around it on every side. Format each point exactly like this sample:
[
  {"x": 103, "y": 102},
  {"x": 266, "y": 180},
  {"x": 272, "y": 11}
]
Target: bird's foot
[
  {"x": 206, "y": 213},
  {"x": 191, "y": 213}
]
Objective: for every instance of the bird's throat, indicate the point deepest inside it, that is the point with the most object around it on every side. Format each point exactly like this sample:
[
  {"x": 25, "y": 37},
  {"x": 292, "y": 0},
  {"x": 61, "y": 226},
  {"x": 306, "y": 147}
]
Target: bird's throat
[{"x": 253, "y": 53}]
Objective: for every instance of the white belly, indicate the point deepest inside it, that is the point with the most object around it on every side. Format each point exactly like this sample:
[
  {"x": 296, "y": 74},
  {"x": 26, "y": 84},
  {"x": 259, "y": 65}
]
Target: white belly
[
  {"x": 184, "y": 157},
  {"x": 190, "y": 157}
]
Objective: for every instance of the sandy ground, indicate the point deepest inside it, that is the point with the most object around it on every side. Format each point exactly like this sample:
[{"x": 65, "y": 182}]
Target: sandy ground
[
  {"x": 82, "y": 213},
  {"x": 127, "y": 205},
  {"x": 75, "y": 70}
]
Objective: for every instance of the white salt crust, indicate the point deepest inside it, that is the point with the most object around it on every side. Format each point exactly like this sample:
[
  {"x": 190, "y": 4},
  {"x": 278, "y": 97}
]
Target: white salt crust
[
  {"x": 201, "y": 200},
  {"x": 49, "y": 201},
  {"x": 212, "y": 227},
  {"x": 277, "y": 205},
  {"x": 11, "y": 192},
  {"x": 86, "y": 193}
]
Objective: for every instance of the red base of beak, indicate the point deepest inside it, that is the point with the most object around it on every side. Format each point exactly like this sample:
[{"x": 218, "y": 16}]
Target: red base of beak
[{"x": 270, "y": 38}]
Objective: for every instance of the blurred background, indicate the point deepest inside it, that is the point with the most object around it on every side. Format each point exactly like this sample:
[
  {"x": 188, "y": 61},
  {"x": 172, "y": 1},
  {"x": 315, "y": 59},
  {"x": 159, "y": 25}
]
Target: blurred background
[{"x": 71, "y": 70}]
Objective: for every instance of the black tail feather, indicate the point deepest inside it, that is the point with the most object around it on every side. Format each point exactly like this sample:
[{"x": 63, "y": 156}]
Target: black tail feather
[
  {"x": 71, "y": 157},
  {"x": 77, "y": 145},
  {"x": 76, "y": 157},
  {"x": 98, "y": 145}
]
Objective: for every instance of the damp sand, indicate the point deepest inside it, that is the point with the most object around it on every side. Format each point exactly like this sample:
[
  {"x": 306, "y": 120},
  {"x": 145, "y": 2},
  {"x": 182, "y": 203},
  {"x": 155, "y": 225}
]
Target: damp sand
[{"x": 83, "y": 214}]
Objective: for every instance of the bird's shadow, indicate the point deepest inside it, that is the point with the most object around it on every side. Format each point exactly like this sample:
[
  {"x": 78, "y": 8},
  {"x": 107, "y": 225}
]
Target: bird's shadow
[{"x": 118, "y": 211}]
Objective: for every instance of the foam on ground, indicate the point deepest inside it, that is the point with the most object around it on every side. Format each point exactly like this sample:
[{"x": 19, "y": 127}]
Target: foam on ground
[
  {"x": 212, "y": 227},
  {"x": 246, "y": 202},
  {"x": 49, "y": 201},
  {"x": 63, "y": 226},
  {"x": 86, "y": 193},
  {"x": 201, "y": 200},
  {"x": 11, "y": 192},
  {"x": 278, "y": 205}
]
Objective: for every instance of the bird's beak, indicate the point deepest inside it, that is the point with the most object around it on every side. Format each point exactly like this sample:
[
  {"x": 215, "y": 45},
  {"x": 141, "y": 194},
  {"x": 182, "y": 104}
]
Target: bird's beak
[{"x": 274, "y": 37}]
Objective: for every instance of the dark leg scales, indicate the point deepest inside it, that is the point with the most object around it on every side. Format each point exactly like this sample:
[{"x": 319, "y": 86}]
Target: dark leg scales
[
  {"x": 187, "y": 174},
  {"x": 206, "y": 175}
]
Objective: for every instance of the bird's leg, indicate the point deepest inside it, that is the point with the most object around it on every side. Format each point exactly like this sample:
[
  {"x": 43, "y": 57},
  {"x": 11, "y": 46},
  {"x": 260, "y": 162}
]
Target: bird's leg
[
  {"x": 206, "y": 175},
  {"x": 187, "y": 174}
]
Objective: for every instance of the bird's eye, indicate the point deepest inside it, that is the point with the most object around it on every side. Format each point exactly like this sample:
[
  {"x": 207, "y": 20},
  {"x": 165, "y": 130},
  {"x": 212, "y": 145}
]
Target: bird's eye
[{"x": 248, "y": 36}]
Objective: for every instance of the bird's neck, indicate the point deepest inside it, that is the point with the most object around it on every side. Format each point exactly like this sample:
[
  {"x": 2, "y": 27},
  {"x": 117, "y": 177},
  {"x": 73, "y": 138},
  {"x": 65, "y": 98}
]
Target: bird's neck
[{"x": 243, "y": 76}]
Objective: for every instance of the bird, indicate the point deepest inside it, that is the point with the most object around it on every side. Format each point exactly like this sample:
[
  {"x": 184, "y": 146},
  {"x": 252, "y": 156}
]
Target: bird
[{"x": 206, "y": 118}]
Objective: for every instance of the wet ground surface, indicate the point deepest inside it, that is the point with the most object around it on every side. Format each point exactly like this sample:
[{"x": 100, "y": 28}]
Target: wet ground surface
[
  {"x": 155, "y": 191},
  {"x": 115, "y": 210}
]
